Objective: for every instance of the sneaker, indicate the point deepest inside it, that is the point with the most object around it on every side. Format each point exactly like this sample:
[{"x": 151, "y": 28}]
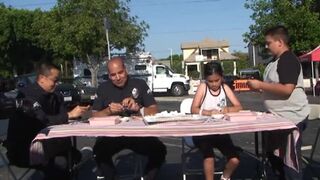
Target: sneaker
[{"x": 86, "y": 153}]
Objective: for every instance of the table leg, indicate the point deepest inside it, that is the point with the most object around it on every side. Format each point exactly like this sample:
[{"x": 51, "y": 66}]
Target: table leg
[
  {"x": 256, "y": 143},
  {"x": 314, "y": 145},
  {"x": 263, "y": 155},
  {"x": 71, "y": 163}
]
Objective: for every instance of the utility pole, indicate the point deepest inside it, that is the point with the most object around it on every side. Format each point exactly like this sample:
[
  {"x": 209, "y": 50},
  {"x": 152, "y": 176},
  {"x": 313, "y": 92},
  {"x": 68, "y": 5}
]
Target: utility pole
[
  {"x": 107, "y": 27},
  {"x": 254, "y": 54},
  {"x": 171, "y": 63}
]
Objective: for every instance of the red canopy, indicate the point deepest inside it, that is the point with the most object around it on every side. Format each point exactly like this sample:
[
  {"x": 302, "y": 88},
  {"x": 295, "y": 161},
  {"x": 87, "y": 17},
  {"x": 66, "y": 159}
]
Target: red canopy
[{"x": 313, "y": 55}]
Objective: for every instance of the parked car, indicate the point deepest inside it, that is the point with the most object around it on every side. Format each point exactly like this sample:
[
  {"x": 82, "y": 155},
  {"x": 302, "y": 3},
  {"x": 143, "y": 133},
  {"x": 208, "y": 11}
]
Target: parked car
[
  {"x": 7, "y": 103},
  {"x": 70, "y": 93},
  {"x": 103, "y": 78},
  {"x": 73, "y": 90},
  {"x": 229, "y": 80},
  {"x": 85, "y": 80},
  {"x": 250, "y": 74},
  {"x": 25, "y": 79},
  {"x": 76, "y": 93},
  {"x": 317, "y": 88}
]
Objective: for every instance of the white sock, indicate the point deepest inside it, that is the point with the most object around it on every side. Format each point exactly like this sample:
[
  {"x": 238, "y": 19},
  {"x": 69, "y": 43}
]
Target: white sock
[{"x": 223, "y": 178}]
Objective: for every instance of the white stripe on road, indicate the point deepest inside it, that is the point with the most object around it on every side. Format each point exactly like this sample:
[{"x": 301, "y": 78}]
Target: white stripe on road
[
  {"x": 172, "y": 138},
  {"x": 304, "y": 148},
  {"x": 172, "y": 145}
]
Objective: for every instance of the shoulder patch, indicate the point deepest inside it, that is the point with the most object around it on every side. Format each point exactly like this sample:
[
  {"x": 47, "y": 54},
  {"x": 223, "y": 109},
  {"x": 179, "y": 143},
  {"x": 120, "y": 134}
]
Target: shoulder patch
[{"x": 135, "y": 93}]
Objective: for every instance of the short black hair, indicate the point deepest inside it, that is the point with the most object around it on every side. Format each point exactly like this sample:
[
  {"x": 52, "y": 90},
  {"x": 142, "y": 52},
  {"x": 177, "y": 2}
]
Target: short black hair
[
  {"x": 45, "y": 68},
  {"x": 278, "y": 32},
  {"x": 213, "y": 68}
]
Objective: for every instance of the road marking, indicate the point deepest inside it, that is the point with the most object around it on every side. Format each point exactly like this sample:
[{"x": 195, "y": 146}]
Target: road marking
[
  {"x": 172, "y": 145},
  {"x": 304, "y": 148},
  {"x": 172, "y": 138}
]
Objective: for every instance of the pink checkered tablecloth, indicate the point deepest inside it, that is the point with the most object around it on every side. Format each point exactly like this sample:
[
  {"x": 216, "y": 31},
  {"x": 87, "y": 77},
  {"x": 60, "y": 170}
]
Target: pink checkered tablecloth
[{"x": 136, "y": 128}]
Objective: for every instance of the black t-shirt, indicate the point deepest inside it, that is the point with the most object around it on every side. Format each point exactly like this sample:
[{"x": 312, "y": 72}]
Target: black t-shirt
[
  {"x": 288, "y": 68},
  {"x": 135, "y": 88},
  {"x": 36, "y": 110}
]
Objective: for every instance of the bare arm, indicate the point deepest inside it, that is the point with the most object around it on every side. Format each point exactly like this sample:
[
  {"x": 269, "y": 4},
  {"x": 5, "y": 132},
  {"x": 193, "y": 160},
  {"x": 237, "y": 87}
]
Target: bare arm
[
  {"x": 112, "y": 109},
  {"x": 284, "y": 90},
  {"x": 105, "y": 112},
  {"x": 77, "y": 111},
  {"x": 151, "y": 110},
  {"x": 196, "y": 103},
  {"x": 236, "y": 105}
]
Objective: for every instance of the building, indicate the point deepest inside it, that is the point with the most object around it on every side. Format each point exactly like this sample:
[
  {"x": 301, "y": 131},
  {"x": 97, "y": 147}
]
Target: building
[
  {"x": 256, "y": 55},
  {"x": 196, "y": 54}
]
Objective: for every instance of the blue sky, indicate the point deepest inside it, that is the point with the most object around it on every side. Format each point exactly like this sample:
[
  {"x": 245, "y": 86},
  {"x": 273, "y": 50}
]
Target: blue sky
[{"x": 175, "y": 21}]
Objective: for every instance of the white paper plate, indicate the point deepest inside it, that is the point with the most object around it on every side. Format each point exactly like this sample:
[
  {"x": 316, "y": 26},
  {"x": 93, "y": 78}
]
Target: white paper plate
[{"x": 217, "y": 116}]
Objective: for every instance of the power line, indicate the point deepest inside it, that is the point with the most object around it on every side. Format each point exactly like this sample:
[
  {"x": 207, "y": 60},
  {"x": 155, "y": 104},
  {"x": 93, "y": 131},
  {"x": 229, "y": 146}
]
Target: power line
[
  {"x": 32, "y": 4},
  {"x": 162, "y": 3},
  {"x": 200, "y": 30},
  {"x": 143, "y": 4}
]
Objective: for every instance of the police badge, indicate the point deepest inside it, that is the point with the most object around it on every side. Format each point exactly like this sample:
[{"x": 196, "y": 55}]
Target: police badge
[{"x": 135, "y": 93}]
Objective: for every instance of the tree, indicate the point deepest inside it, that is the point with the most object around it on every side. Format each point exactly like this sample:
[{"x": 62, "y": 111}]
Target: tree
[
  {"x": 176, "y": 63},
  {"x": 75, "y": 29},
  {"x": 17, "y": 46},
  {"x": 301, "y": 17}
]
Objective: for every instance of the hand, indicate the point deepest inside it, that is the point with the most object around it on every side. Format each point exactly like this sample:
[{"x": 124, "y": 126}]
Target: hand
[
  {"x": 254, "y": 84},
  {"x": 77, "y": 111},
  {"x": 115, "y": 108},
  {"x": 215, "y": 111},
  {"x": 131, "y": 104}
]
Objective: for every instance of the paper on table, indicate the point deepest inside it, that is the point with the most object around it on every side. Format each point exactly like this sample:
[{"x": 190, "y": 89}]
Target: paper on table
[
  {"x": 104, "y": 121},
  {"x": 180, "y": 117},
  {"x": 241, "y": 116}
]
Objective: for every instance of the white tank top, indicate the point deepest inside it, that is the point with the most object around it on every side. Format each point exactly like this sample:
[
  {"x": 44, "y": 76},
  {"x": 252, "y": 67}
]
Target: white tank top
[{"x": 211, "y": 102}]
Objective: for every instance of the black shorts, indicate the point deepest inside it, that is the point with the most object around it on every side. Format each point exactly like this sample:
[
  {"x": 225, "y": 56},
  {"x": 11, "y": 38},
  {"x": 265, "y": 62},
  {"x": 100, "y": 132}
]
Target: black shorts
[{"x": 222, "y": 142}]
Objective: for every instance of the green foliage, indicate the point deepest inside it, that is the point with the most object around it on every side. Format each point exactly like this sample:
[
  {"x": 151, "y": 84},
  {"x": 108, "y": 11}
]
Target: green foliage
[
  {"x": 300, "y": 17},
  {"x": 176, "y": 63},
  {"x": 261, "y": 68},
  {"x": 71, "y": 29},
  {"x": 194, "y": 75},
  {"x": 76, "y": 28},
  {"x": 17, "y": 44},
  {"x": 227, "y": 67}
]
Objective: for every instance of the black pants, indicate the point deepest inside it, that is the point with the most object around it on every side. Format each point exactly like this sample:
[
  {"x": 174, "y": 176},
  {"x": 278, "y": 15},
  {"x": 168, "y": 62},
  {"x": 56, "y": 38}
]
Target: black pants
[
  {"x": 222, "y": 142},
  {"x": 151, "y": 147},
  {"x": 285, "y": 172},
  {"x": 57, "y": 153}
]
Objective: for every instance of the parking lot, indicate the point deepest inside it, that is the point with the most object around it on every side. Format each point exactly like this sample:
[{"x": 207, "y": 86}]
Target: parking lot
[{"x": 249, "y": 167}]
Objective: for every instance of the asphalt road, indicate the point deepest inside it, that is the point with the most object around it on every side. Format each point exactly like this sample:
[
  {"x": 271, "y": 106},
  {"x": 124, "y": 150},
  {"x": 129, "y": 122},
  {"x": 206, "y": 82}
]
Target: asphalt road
[{"x": 171, "y": 170}]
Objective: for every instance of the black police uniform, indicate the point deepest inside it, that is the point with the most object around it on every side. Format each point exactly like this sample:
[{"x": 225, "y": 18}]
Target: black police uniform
[
  {"x": 106, "y": 147},
  {"x": 36, "y": 110}
]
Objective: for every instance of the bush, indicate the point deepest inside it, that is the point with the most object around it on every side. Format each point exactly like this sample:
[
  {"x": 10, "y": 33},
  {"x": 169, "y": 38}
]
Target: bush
[{"x": 194, "y": 74}]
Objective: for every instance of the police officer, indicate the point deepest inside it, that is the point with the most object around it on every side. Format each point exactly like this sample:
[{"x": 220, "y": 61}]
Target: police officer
[
  {"x": 122, "y": 95},
  {"x": 39, "y": 106}
]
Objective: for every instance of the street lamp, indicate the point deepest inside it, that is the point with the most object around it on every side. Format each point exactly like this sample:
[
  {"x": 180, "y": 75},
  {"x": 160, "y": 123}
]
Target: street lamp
[
  {"x": 171, "y": 63},
  {"x": 107, "y": 27}
]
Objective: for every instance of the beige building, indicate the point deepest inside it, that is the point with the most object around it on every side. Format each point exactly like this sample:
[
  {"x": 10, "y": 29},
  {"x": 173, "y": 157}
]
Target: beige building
[{"x": 196, "y": 54}]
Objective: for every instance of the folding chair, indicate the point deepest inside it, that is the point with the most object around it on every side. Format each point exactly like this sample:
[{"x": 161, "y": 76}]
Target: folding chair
[
  {"x": 313, "y": 115},
  {"x": 5, "y": 162},
  {"x": 132, "y": 159},
  {"x": 188, "y": 148},
  {"x": 129, "y": 156}
]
